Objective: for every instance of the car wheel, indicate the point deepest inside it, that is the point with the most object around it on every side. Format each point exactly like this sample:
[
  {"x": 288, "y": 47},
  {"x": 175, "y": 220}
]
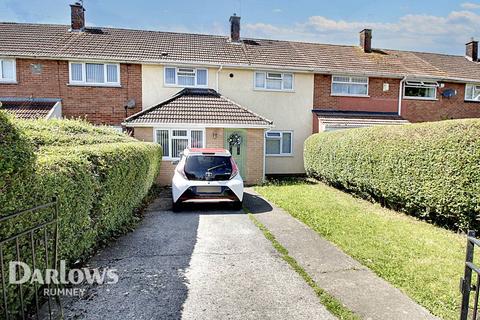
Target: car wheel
[
  {"x": 237, "y": 205},
  {"x": 176, "y": 206}
]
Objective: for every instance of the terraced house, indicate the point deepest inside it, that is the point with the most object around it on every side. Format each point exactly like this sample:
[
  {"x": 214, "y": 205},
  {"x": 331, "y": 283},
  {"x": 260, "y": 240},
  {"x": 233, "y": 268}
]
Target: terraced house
[{"x": 259, "y": 98}]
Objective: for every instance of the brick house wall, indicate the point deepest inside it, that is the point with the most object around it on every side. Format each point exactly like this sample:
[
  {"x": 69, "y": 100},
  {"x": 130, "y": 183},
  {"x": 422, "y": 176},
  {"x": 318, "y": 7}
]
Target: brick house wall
[
  {"x": 99, "y": 105},
  {"x": 443, "y": 108},
  {"x": 214, "y": 138},
  {"x": 380, "y": 101}
]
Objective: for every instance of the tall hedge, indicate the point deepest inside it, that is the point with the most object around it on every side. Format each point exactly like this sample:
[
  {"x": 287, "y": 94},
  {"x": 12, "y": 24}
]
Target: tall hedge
[
  {"x": 98, "y": 185},
  {"x": 430, "y": 170}
]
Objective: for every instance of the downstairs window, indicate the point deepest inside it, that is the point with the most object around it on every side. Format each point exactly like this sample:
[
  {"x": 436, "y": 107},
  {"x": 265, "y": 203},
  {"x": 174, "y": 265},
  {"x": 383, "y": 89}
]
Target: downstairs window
[
  {"x": 279, "y": 143},
  {"x": 174, "y": 141}
]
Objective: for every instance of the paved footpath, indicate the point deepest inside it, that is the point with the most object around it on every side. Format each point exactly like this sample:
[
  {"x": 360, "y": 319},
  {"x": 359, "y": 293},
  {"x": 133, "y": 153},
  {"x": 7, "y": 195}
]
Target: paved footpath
[
  {"x": 212, "y": 264},
  {"x": 358, "y": 288}
]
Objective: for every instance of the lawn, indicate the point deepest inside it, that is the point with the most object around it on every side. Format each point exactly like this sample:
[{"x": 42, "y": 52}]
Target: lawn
[{"x": 424, "y": 261}]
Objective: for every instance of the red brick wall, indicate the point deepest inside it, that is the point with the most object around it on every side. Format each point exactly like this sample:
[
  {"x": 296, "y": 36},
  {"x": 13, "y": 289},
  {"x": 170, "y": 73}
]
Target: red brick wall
[
  {"x": 443, "y": 108},
  {"x": 99, "y": 105},
  {"x": 412, "y": 110},
  {"x": 378, "y": 100}
]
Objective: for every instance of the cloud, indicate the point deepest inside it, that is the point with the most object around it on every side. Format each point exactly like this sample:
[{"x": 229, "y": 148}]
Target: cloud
[
  {"x": 277, "y": 10},
  {"x": 410, "y": 32},
  {"x": 470, "y": 5}
]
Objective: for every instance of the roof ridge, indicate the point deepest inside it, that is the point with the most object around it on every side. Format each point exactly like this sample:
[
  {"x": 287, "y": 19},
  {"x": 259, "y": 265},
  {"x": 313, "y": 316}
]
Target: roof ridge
[{"x": 226, "y": 37}]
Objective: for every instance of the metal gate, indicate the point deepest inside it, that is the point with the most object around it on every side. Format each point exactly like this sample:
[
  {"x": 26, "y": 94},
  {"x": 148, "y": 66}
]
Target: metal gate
[
  {"x": 37, "y": 244},
  {"x": 466, "y": 286}
]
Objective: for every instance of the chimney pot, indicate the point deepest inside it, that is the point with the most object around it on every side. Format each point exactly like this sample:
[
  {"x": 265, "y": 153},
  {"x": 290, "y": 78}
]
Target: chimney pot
[
  {"x": 472, "y": 50},
  {"x": 366, "y": 40},
  {"x": 77, "y": 16},
  {"x": 235, "y": 28}
]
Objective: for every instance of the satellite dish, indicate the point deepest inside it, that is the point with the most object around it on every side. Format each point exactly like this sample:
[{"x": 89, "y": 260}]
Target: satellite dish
[
  {"x": 130, "y": 104},
  {"x": 449, "y": 93}
]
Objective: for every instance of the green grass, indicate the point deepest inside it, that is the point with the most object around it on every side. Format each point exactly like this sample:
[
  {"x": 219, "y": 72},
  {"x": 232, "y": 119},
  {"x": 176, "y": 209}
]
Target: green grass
[
  {"x": 424, "y": 261},
  {"x": 333, "y": 305}
]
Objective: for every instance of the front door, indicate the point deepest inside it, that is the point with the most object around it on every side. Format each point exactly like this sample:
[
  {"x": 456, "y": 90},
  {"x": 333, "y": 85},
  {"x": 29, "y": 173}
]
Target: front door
[{"x": 236, "y": 143}]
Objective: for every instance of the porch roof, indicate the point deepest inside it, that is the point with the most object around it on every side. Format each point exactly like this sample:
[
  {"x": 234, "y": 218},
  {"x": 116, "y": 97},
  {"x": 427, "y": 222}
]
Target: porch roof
[
  {"x": 201, "y": 107},
  {"x": 28, "y": 108}
]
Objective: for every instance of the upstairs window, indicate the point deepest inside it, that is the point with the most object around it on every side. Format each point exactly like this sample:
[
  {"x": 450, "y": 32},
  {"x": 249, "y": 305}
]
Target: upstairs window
[
  {"x": 472, "y": 92},
  {"x": 7, "y": 70},
  {"x": 186, "y": 77},
  {"x": 274, "y": 81},
  {"x": 349, "y": 86},
  {"x": 278, "y": 143},
  {"x": 423, "y": 90},
  {"x": 85, "y": 73}
]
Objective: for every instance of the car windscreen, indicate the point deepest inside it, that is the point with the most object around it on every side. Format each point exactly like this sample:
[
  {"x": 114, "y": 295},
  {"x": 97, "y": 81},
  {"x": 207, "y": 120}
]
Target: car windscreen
[{"x": 208, "y": 167}]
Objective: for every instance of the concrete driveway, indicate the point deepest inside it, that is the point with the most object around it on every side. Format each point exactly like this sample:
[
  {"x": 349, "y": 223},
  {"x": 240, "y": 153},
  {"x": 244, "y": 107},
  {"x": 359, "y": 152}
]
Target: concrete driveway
[{"x": 203, "y": 263}]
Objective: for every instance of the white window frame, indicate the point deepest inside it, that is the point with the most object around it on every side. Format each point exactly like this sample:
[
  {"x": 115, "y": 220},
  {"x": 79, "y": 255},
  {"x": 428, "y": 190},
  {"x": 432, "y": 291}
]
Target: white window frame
[
  {"x": 420, "y": 84},
  {"x": 474, "y": 85},
  {"x": 5, "y": 80},
  {"x": 84, "y": 74},
  {"x": 170, "y": 138},
  {"x": 281, "y": 154},
  {"x": 196, "y": 85},
  {"x": 349, "y": 82},
  {"x": 264, "y": 88}
]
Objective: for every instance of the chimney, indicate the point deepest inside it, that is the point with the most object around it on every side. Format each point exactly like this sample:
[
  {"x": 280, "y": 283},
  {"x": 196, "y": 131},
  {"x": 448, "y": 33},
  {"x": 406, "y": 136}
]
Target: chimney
[
  {"x": 366, "y": 40},
  {"x": 472, "y": 50},
  {"x": 78, "y": 16},
  {"x": 235, "y": 28}
]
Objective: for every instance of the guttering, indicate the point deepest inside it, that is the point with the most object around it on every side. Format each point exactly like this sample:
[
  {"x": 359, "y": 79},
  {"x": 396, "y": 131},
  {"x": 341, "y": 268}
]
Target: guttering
[
  {"x": 218, "y": 74},
  {"x": 197, "y": 125},
  {"x": 400, "y": 95}
]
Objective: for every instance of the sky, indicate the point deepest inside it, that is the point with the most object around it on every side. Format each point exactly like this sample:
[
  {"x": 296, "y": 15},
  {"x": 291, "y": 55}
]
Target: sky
[{"x": 442, "y": 26}]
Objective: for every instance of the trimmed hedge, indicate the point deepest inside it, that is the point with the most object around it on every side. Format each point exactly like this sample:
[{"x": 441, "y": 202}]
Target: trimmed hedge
[
  {"x": 68, "y": 132},
  {"x": 429, "y": 170},
  {"x": 98, "y": 185}
]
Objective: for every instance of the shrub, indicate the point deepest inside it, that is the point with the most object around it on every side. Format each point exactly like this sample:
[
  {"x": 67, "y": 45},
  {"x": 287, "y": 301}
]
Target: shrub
[
  {"x": 429, "y": 170},
  {"x": 68, "y": 132},
  {"x": 98, "y": 185}
]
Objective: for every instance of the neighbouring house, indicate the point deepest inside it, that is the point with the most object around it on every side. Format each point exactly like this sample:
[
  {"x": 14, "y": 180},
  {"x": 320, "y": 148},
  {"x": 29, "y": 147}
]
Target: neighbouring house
[{"x": 288, "y": 90}]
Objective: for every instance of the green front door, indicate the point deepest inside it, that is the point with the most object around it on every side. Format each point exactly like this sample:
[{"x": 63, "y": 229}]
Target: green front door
[{"x": 236, "y": 143}]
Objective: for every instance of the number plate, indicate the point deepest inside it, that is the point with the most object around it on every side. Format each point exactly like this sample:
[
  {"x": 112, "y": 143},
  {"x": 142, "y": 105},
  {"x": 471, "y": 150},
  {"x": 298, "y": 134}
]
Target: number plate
[{"x": 209, "y": 189}]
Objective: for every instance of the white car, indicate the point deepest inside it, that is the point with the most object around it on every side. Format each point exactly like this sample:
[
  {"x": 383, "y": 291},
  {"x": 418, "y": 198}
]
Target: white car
[{"x": 207, "y": 175}]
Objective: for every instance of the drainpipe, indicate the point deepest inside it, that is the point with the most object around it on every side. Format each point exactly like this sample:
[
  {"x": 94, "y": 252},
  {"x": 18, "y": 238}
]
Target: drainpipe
[
  {"x": 400, "y": 95},
  {"x": 218, "y": 74},
  {"x": 264, "y": 154}
]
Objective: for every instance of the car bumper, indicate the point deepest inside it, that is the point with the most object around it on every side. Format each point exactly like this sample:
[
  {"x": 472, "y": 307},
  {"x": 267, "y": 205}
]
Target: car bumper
[{"x": 184, "y": 190}]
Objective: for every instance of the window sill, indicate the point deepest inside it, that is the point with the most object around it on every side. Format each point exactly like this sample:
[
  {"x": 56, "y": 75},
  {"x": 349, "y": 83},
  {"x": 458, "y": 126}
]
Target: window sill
[
  {"x": 350, "y": 95},
  {"x": 290, "y": 155},
  {"x": 471, "y": 101},
  {"x": 94, "y": 85},
  {"x": 180, "y": 86},
  {"x": 8, "y": 82},
  {"x": 274, "y": 90},
  {"x": 419, "y": 98}
]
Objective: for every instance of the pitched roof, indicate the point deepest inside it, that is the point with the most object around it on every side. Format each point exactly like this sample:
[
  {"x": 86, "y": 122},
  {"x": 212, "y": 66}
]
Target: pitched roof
[
  {"x": 198, "y": 106},
  {"x": 28, "y": 108},
  {"x": 140, "y": 46}
]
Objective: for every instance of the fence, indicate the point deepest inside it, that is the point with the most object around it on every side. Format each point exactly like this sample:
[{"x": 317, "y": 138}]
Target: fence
[{"x": 39, "y": 241}]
